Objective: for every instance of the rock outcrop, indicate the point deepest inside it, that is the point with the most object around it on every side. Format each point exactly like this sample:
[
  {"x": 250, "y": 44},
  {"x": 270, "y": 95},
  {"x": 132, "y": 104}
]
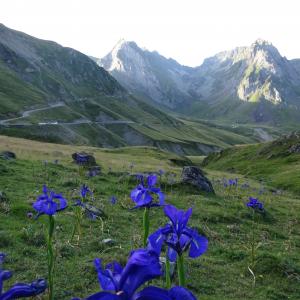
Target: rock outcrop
[{"x": 195, "y": 176}]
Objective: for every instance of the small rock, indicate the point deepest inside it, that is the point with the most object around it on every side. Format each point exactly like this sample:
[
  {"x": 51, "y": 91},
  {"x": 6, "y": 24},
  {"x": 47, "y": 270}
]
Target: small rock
[
  {"x": 195, "y": 176},
  {"x": 97, "y": 212},
  {"x": 109, "y": 242},
  {"x": 8, "y": 155},
  {"x": 294, "y": 149},
  {"x": 3, "y": 197},
  {"x": 84, "y": 159}
]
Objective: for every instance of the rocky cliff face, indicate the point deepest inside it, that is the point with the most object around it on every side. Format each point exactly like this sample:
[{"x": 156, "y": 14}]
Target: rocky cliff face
[
  {"x": 257, "y": 75},
  {"x": 148, "y": 74},
  {"x": 250, "y": 74}
]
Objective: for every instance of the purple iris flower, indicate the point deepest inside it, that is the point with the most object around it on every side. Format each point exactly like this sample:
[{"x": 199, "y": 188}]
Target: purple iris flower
[
  {"x": 161, "y": 172},
  {"x": 142, "y": 194},
  {"x": 49, "y": 203},
  {"x": 121, "y": 283},
  {"x": 178, "y": 236},
  {"x": 255, "y": 204},
  {"x": 113, "y": 199},
  {"x": 84, "y": 191},
  {"x": 19, "y": 290},
  {"x": 233, "y": 182}
]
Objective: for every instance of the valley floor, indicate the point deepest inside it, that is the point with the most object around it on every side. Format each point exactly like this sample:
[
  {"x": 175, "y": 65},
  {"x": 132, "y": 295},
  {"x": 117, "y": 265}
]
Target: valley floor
[{"x": 221, "y": 273}]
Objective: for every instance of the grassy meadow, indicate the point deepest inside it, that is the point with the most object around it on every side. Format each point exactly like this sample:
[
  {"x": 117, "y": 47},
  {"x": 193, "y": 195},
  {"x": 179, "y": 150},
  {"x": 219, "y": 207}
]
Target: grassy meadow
[{"x": 221, "y": 273}]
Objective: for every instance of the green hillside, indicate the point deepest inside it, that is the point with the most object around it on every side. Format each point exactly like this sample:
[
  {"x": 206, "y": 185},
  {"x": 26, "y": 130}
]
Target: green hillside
[
  {"x": 57, "y": 94},
  {"x": 277, "y": 162},
  {"x": 221, "y": 273}
]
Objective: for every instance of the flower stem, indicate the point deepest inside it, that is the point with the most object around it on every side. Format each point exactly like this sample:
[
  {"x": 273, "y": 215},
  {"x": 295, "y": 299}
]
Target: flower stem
[
  {"x": 146, "y": 225},
  {"x": 253, "y": 241},
  {"x": 168, "y": 277},
  {"x": 50, "y": 256},
  {"x": 180, "y": 269},
  {"x": 252, "y": 264}
]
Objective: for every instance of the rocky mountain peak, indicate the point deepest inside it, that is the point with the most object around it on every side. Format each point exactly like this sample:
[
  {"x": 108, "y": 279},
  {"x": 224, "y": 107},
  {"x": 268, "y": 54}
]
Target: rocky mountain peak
[
  {"x": 266, "y": 49},
  {"x": 261, "y": 42},
  {"x": 123, "y": 52},
  {"x": 147, "y": 73},
  {"x": 122, "y": 44}
]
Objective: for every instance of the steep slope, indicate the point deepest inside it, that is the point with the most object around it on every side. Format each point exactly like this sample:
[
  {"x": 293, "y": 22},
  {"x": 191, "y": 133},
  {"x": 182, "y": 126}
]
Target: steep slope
[
  {"x": 49, "y": 71},
  {"x": 148, "y": 74}
]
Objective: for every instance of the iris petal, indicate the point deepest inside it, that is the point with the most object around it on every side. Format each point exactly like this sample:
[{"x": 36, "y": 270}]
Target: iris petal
[
  {"x": 180, "y": 293},
  {"x": 151, "y": 180},
  {"x": 161, "y": 197},
  {"x": 62, "y": 202},
  {"x": 115, "y": 267},
  {"x": 21, "y": 290},
  {"x": 143, "y": 265},
  {"x": 186, "y": 217},
  {"x": 184, "y": 241},
  {"x": 50, "y": 208},
  {"x": 171, "y": 212},
  {"x": 156, "y": 240},
  {"x": 152, "y": 293},
  {"x": 199, "y": 245},
  {"x": 104, "y": 296},
  {"x": 104, "y": 277},
  {"x": 38, "y": 205},
  {"x": 172, "y": 254},
  {"x": 134, "y": 194}
]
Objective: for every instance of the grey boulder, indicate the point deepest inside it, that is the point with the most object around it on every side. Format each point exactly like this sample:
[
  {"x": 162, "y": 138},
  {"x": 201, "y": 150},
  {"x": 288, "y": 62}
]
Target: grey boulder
[{"x": 195, "y": 176}]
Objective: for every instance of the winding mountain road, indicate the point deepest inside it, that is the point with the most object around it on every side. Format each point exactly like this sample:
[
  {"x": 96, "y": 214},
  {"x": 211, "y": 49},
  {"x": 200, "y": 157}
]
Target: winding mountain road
[{"x": 27, "y": 113}]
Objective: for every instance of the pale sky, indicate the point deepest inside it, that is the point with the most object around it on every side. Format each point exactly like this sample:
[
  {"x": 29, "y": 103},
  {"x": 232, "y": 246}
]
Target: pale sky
[{"x": 187, "y": 30}]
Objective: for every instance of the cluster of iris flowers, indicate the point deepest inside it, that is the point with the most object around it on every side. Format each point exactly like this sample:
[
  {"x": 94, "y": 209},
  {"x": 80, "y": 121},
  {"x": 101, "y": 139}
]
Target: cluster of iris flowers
[
  {"x": 230, "y": 182},
  {"x": 143, "y": 265}
]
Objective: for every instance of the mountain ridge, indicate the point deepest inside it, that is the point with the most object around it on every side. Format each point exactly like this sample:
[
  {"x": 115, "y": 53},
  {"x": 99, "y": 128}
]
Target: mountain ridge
[
  {"x": 139, "y": 71},
  {"x": 257, "y": 75},
  {"x": 54, "y": 93}
]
